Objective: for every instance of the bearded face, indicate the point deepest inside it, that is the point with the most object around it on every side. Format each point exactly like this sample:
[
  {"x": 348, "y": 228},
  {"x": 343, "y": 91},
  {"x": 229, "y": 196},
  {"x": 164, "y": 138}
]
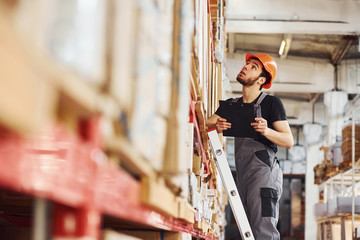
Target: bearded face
[
  {"x": 250, "y": 73},
  {"x": 246, "y": 82}
]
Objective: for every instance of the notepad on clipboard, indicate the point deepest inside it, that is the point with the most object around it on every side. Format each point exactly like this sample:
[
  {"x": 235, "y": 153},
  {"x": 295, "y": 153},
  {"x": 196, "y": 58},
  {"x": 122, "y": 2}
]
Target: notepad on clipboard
[{"x": 240, "y": 115}]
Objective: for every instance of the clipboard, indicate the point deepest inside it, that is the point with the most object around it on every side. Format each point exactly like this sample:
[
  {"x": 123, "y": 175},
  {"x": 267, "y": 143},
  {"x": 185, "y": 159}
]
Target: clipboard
[{"x": 240, "y": 115}]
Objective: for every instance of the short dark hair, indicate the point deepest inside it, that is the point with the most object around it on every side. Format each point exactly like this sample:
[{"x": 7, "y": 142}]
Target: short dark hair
[{"x": 266, "y": 75}]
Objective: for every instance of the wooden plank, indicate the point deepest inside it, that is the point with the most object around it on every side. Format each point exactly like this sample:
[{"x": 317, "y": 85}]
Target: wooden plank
[
  {"x": 72, "y": 87},
  {"x": 200, "y": 113},
  {"x": 193, "y": 90},
  {"x": 40, "y": 87},
  {"x": 132, "y": 159},
  {"x": 195, "y": 76},
  {"x": 155, "y": 194},
  {"x": 185, "y": 211}
]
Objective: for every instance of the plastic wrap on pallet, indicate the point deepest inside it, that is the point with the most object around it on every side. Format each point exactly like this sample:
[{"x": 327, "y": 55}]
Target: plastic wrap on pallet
[
  {"x": 149, "y": 136},
  {"x": 165, "y": 31},
  {"x": 177, "y": 125},
  {"x": 344, "y": 205},
  {"x": 320, "y": 210},
  {"x": 153, "y": 75},
  {"x": 336, "y": 152},
  {"x": 331, "y": 206},
  {"x": 77, "y": 36}
]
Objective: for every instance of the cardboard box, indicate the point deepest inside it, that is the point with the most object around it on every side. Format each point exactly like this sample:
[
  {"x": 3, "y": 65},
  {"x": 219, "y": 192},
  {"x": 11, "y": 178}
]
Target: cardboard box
[
  {"x": 76, "y": 36},
  {"x": 347, "y": 132},
  {"x": 27, "y": 97},
  {"x": 151, "y": 189},
  {"x": 346, "y": 150},
  {"x": 178, "y": 118},
  {"x": 122, "y": 82},
  {"x": 186, "y": 211}
]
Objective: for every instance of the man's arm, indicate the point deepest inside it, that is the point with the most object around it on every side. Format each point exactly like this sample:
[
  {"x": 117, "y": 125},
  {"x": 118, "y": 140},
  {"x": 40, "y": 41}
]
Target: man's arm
[
  {"x": 281, "y": 136},
  {"x": 215, "y": 121}
]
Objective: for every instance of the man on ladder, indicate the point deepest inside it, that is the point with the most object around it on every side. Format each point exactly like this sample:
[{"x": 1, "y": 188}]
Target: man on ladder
[{"x": 259, "y": 177}]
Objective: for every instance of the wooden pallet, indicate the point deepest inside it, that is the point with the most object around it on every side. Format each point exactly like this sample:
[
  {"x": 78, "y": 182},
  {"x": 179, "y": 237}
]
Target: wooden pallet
[{"x": 331, "y": 171}]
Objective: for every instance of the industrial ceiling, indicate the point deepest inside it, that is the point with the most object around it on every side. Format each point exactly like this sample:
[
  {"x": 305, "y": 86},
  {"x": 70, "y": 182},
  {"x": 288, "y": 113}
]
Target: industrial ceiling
[{"x": 324, "y": 31}]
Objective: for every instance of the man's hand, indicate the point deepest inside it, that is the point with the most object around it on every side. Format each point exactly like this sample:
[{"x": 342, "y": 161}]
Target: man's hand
[
  {"x": 280, "y": 136},
  {"x": 260, "y": 125},
  {"x": 222, "y": 124}
]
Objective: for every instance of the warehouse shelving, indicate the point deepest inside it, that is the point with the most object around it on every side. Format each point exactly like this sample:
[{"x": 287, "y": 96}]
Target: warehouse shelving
[
  {"x": 345, "y": 182},
  {"x": 71, "y": 170},
  {"x": 79, "y": 181},
  {"x": 57, "y": 152}
]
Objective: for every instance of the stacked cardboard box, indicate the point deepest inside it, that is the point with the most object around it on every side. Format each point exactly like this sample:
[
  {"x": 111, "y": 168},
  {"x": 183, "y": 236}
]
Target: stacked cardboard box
[
  {"x": 145, "y": 235},
  {"x": 346, "y": 146},
  {"x": 148, "y": 77},
  {"x": 128, "y": 62}
]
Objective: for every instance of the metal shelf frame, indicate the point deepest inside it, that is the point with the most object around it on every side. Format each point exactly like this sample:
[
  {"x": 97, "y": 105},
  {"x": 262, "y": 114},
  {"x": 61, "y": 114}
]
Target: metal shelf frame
[
  {"x": 73, "y": 173},
  {"x": 349, "y": 181}
]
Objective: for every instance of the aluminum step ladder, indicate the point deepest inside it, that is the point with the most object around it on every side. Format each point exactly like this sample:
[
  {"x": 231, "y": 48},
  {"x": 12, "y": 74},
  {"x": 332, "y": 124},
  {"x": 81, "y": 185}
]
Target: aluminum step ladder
[{"x": 230, "y": 186}]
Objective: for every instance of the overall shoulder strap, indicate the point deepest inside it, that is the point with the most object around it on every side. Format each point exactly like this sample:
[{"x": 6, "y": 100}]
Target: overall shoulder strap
[{"x": 257, "y": 107}]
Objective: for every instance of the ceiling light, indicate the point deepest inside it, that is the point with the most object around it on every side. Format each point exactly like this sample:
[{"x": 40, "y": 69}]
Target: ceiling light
[{"x": 282, "y": 47}]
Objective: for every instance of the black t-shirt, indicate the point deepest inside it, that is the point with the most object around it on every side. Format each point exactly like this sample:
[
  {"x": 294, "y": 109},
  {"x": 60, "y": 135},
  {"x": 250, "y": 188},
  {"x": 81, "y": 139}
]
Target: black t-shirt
[{"x": 272, "y": 109}]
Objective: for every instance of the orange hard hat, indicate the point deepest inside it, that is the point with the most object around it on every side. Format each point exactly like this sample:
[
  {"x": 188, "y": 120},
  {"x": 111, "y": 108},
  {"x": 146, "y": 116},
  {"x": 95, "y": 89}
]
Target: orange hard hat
[{"x": 269, "y": 65}]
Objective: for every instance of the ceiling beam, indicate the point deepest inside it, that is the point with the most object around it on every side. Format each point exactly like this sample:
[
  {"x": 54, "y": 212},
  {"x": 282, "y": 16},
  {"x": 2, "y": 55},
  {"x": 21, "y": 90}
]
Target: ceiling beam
[
  {"x": 285, "y": 27},
  {"x": 314, "y": 98},
  {"x": 296, "y": 17},
  {"x": 342, "y": 49}
]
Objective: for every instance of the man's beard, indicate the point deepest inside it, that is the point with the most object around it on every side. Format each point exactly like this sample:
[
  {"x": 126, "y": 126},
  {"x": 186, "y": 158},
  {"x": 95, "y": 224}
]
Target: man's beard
[{"x": 244, "y": 83}]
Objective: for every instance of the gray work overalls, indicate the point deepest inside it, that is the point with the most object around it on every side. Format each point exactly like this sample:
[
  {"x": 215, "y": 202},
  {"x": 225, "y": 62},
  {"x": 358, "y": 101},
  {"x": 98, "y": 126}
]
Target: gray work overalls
[{"x": 259, "y": 182}]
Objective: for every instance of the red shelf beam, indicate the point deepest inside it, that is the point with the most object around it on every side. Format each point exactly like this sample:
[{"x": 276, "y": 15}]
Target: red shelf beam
[{"x": 74, "y": 173}]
